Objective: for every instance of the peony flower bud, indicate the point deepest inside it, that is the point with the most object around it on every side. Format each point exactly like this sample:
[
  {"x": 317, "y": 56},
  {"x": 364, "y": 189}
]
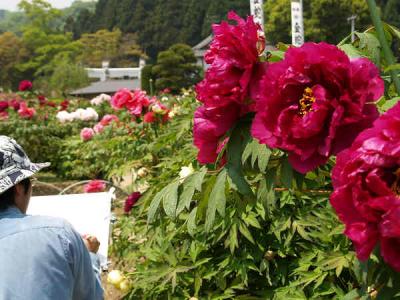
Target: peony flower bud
[{"x": 115, "y": 277}]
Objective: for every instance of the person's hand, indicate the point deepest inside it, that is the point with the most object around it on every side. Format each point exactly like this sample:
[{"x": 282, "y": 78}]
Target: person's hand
[{"x": 91, "y": 243}]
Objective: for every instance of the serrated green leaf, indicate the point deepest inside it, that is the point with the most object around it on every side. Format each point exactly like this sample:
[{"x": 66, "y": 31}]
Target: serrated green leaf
[
  {"x": 191, "y": 184},
  {"x": 191, "y": 222},
  {"x": 246, "y": 233},
  {"x": 170, "y": 199},
  {"x": 217, "y": 200},
  {"x": 351, "y": 51},
  {"x": 286, "y": 174},
  {"x": 154, "y": 205}
]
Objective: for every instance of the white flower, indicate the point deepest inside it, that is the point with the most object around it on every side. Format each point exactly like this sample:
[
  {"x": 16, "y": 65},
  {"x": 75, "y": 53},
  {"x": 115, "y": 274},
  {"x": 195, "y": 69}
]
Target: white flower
[
  {"x": 64, "y": 116},
  {"x": 185, "y": 172},
  {"x": 164, "y": 99},
  {"x": 115, "y": 277},
  {"x": 157, "y": 108},
  {"x": 124, "y": 286},
  {"x": 171, "y": 114},
  {"x": 142, "y": 172},
  {"x": 143, "y": 187},
  {"x": 89, "y": 114},
  {"x": 100, "y": 99}
]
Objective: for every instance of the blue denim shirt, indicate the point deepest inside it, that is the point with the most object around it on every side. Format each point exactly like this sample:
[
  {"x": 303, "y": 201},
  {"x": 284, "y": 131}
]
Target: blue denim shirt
[{"x": 44, "y": 258}]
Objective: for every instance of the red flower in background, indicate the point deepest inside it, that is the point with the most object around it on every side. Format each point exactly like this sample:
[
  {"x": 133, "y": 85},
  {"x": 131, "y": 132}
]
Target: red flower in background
[
  {"x": 366, "y": 195},
  {"x": 25, "y": 111},
  {"x": 42, "y": 100},
  {"x": 95, "y": 186},
  {"x": 315, "y": 102},
  {"x": 149, "y": 117},
  {"x": 3, "y": 106},
  {"x": 64, "y": 105},
  {"x": 131, "y": 201},
  {"x": 166, "y": 91},
  {"x": 15, "y": 104},
  {"x": 225, "y": 92},
  {"x": 25, "y": 85}
]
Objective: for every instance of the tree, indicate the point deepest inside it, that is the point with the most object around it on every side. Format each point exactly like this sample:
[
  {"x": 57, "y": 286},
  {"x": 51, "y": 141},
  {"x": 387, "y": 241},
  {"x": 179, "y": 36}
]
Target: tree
[
  {"x": 176, "y": 68},
  {"x": 99, "y": 46},
  {"x": 324, "y": 20},
  {"x": 12, "y": 52}
]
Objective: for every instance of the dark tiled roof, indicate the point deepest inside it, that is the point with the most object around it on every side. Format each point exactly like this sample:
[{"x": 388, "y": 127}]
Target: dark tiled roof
[{"x": 108, "y": 86}]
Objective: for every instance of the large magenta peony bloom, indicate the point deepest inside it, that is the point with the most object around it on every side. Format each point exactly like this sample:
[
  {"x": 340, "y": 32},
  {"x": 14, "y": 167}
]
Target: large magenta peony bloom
[
  {"x": 25, "y": 85},
  {"x": 226, "y": 91},
  {"x": 210, "y": 126},
  {"x": 234, "y": 59},
  {"x": 366, "y": 195},
  {"x": 315, "y": 102},
  {"x": 133, "y": 101}
]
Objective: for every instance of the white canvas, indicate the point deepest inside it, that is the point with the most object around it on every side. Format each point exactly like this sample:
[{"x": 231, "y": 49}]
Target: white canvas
[{"x": 88, "y": 213}]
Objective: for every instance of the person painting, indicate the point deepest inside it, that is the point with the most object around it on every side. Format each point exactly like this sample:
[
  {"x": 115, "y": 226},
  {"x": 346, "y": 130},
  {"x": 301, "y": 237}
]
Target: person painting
[{"x": 40, "y": 257}]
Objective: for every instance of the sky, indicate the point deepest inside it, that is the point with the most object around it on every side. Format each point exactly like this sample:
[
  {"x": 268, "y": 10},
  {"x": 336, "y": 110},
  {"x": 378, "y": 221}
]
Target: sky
[{"x": 13, "y": 4}]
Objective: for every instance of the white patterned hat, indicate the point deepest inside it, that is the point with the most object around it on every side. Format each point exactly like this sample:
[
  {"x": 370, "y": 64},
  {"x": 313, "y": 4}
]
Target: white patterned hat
[{"x": 15, "y": 165}]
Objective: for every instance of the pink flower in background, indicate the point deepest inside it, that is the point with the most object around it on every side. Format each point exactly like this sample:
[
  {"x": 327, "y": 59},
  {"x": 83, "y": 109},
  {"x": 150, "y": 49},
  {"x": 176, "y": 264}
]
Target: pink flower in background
[
  {"x": 166, "y": 91},
  {"x": 95, "y": 186},
  {"x": 25, "y": 85},
  {"x": 315, "y": 102},
  {"x": 98, "y": 128},
  {"x": 25, "y": 111},
  {"x": 131, "y": 201},
  {"x": 3, "y": 106},
  {"x": 366, "y": 197},
  {"x": 108, "y": 119},
  {"x": 4, "y": 115},
  {"x": 87, "y": 134},
  {"x": 234, "y": 62},
  {"x": 134, "y": 101}
]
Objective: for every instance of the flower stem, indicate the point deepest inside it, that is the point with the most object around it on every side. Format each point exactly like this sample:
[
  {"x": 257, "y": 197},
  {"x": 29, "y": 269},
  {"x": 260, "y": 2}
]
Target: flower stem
[{"x": 383, "y": 41}]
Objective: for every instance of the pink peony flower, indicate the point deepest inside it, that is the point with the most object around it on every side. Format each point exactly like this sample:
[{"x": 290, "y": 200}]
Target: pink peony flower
[
  {"x": 25, "y": 85},
  {"x": 234, "y": 61},
  {"x": 210, "y": 127},
  {"x": 87, "y": 134},
  {"x": 131, "y": 201},
  {"x": 134, "y": 101},
  {"x": 4, "y": 115},
  {"x": 166, "y": 91},
  {"x": 3, "y": 106},
  {"x": 98, "y": 128},
  {"x": 95, "y": 186},
  {"x": 26, "y": 112},
  {"x": 366, "y": 182},
  {"x": 315, "y": 102},
  {"x": 108, "y": 119}
]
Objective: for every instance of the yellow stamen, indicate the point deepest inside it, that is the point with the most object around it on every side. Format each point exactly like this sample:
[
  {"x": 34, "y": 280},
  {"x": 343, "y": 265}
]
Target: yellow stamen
[
  {"x": 396, "y": 184},
  {"x": 306, "y": 102}
]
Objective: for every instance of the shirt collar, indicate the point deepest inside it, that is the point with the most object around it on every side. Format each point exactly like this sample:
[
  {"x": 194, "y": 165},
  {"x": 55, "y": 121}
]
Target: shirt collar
[{"x": 11, "y": 211}]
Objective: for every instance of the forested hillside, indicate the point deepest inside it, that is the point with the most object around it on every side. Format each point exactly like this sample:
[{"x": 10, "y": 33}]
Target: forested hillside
[{"x": 158, "y": 23}]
